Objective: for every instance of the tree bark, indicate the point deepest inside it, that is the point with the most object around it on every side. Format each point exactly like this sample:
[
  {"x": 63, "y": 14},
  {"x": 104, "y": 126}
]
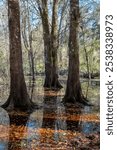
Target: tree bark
[
  {"x": 73, "y": 91},
  {"x": 50, "y": 47},
  {"x": 18, "y": 98},
  {"x": 47, "y": 40},
  {"x": 27, "y": 39},
  {"x": 31, "y": 57},
  {"x": 54, "y": 46}
]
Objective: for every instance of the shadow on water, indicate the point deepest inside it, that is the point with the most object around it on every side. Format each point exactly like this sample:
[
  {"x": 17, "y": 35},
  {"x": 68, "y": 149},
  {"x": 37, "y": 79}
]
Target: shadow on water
[{"x": 53, "y": 125}]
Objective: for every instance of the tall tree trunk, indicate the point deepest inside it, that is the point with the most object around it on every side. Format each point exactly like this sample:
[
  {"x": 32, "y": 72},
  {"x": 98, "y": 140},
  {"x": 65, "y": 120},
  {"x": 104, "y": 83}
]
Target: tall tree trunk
[
  {"x": 86, "y": 54},
  {"x": 27, "y": 39},
  {"x": 54, "y": 46},
  {"x": 18, "y": 97},
  {"x": 47, "y": 41},
  {"x": 30, "y": 44},
  {"x": 31, "y": 57},
  {"x": 73, "y": 90},
  {"x": 50, "y": 51}
]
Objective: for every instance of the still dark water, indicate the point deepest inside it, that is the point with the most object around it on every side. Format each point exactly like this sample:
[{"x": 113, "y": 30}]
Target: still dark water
[{"x": 53, "y": 126}]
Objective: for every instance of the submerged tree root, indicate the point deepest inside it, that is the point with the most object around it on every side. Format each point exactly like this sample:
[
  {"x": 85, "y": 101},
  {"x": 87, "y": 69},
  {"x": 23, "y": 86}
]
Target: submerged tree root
[
  {"x": 53, "y": 87},
  {"x": 27, "y": 107},
  {"x": 82, "y": 101}
]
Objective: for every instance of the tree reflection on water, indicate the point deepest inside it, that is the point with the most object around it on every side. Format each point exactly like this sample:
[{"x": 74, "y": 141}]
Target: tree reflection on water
[{"x": 53, "y": 125}]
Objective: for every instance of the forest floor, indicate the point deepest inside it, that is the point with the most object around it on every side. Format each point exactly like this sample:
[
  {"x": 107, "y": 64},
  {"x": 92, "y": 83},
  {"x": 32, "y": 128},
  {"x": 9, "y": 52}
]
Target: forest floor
[{"x": 54, "y": 126}]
